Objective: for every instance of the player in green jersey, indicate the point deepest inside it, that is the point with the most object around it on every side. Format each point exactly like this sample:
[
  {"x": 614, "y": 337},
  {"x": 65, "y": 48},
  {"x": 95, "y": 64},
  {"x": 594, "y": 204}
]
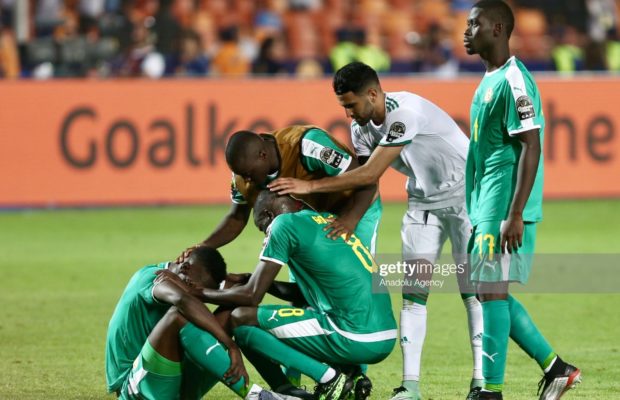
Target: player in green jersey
[
  {"x": 346, "y": 324},
  {"x": 305, "y": 152},
  {"x": 504, "y": 181},
  {"x": 163, "y": 343}
]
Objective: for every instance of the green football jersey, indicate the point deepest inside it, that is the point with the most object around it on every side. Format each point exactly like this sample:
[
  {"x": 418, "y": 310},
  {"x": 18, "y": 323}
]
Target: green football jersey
[
  {"x": 319, "y": 153},
  {"x": 136, "y": 314},
  {"x": 335, "y": 276},
  {"x": 506, "y": 103}
]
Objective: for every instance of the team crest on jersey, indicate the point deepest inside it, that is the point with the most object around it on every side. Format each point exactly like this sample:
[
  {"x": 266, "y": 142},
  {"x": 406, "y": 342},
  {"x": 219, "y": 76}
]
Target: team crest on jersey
[
  {"x": 396, "y": 131},
  {"x": 330, "y": 157},
  {"x": 525, "y": 108},
  {"x": 488, "y": 95}
]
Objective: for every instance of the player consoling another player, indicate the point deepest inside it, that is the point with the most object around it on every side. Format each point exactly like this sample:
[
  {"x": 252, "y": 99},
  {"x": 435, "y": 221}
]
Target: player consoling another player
[
  {"x": 164, "y": 344},
  {"x": 484, "y": 194}
]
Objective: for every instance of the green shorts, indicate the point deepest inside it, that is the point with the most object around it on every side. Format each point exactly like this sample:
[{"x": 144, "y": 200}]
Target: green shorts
[
  {"x": 488, "y": 264},
  {"x": 315, "y": 335},
  {"x": 152, "y": 377}
]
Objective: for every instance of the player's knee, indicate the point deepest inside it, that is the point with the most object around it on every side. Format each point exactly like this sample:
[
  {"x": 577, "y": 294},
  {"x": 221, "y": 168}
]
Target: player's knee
[{"x": 173, "y": 318}]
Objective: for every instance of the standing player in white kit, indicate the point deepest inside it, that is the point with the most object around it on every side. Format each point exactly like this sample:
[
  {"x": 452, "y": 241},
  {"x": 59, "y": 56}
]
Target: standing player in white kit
[{"x": 423, "y": 142}]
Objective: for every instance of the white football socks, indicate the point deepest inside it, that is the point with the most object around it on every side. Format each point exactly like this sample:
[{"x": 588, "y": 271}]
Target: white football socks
[
  {"x": 412, "y": 334},
  {"x": 474, "y": 322}
]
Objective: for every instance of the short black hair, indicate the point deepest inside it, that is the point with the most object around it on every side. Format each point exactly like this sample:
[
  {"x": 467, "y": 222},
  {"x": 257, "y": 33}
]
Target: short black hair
[
  {"x": 354, "y": 77},
  {"x": 211, "y": 260},
  {"x": 239, "y": 144},
  {"x": 499, "y": 12}
]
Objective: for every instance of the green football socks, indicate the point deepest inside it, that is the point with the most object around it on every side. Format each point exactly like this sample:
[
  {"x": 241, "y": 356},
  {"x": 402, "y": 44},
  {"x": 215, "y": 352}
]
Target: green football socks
[
  {"x": 525, "y": 333},
  {"x": 204, "y": 350},
  {"x": 271, "y": 347},
  {"x": 503, "y": 318},
  {"x": 496, "y": 319}
]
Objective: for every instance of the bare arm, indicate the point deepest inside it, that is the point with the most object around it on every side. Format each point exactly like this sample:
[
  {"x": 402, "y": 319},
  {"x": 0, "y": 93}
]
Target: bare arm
[
  {"x": 512, "y": 231},
  {"x": 166, "y": 290},
  {"x": 354, "y": 210},
  {"x": 367, "y": 174},
  {"x": 288, "y": 291},
  {"x": 230, "y": 227},
  {"x": 250, "y": 294}
]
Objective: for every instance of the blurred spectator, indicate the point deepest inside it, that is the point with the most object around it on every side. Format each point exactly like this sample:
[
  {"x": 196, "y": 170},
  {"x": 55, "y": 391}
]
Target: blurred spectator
[
  {"x": 229, "y": 37},
  {"x": 166, "y": 29},
  {"x": 309, "y": 68},
  {"x": 371, "y": 54},
  {"x": 192, "y": 58},
  {"x": 567, "y": 54},
  {"x": 270, "y": 60},
  {"x": 90, "y": 11},
  {"x": 345, "y": 50},
  {"x": 612, "y": 51},
  {"x": 267, "y": 21},
  {"x": 352, "y": 46},
  {"x": 7, "y": 9},
  {"x": 48, "y": 15},
  {"x": 435, "y": 54},
  {"x": 603, "y": 19},
  {"x": 229, "y": 60},
  {"x": 594, "y": 56},
  {"x": 9, "y": 60},
  {"x": 129, "y": 62}
]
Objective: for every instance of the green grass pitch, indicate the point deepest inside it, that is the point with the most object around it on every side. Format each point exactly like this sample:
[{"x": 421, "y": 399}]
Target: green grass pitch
[{"x": 63, "y": 271}]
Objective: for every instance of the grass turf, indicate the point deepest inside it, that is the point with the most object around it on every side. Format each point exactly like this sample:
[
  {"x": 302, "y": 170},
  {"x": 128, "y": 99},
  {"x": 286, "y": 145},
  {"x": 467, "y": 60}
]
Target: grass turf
[{"x": 64, "y": 270}]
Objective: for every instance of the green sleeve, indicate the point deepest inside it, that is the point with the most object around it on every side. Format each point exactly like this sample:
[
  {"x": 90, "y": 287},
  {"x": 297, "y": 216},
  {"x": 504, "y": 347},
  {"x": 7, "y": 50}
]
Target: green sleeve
[
  {"x": 278, "y": 244},
  {"x": 320, "y": 153}
]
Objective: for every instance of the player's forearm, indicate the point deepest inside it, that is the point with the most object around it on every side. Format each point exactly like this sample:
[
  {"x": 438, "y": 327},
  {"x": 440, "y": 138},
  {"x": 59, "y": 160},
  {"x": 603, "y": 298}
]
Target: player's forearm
[
  {"x": 231, "y": 226},
  {"x": 356, "y": 178},
  {"x": 359, "y": 202},
  {"x": 286, "y": 291},
  {"x": 526, "y": 175},
  {"x": 196, "y": 313},
  {"x": 236, "y": 296}
]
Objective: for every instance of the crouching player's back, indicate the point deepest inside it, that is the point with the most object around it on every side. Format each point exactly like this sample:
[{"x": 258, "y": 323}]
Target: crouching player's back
[{"x": 335, "y": 277}]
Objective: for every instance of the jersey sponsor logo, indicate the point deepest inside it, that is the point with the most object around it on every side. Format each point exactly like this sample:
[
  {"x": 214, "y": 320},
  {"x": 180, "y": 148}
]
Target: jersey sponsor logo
[
  {"x": 330, "y": 157},
  {"x": 525, "y": 108},
  {"x": 396, "y": 131}
]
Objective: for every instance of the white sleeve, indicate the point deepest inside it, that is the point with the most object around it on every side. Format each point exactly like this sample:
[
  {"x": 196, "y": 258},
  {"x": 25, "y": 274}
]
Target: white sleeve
[
  {"x": 402, "y": 126},
  {"x": 360, "y": 142}
]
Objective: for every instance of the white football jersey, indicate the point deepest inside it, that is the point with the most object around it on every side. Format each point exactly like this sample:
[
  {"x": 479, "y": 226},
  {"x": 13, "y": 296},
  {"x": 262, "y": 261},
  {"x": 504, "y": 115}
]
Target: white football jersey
[{"x": 434, "y": 149}]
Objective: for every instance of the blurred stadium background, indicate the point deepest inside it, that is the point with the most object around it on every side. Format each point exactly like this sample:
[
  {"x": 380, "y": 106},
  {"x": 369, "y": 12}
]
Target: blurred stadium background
[
  {"x": 163, "y": 38},
  {"x": 86, "y": 152}
]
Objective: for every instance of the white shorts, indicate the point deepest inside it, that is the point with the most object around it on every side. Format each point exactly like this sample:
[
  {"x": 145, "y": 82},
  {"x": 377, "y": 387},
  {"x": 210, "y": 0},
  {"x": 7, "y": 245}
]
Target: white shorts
[{"x": 424, "y": 233}]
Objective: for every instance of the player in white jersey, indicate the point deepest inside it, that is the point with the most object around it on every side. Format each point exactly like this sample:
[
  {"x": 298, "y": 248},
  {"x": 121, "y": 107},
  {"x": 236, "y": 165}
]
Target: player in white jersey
[{"x": 423, "y": 142}]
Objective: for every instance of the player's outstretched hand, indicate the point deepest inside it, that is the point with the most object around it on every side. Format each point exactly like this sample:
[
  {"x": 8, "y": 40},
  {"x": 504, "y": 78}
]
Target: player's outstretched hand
[
  {"x": 338, "y": 227},
  {"x": 237, "y": 369},
  {"x": 290, "y": 186},
  {"x": 185, "y": 255},
  {"x": 511, "y": 234}
]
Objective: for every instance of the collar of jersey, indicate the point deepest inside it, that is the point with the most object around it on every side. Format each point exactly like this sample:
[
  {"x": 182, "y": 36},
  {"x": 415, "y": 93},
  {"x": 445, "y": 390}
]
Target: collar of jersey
[{"x": 500, "y": 68}]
